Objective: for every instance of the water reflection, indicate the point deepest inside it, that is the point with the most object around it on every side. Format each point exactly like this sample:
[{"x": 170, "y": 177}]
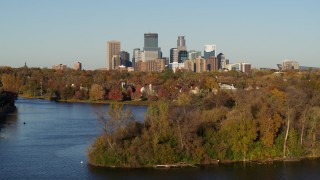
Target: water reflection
[
  {"x": 9, "y": 120},
  {"x": 305, "y": 169}
]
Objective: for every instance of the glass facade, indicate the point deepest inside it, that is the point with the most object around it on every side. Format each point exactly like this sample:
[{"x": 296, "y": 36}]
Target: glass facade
[
  {"x": 150, "y": 40},
  {"x": 173, "y": 55},
  {"x": 182, "y": 56},
  {"x": 210, "y": 50},
  {"x": 151, "y": 49}
]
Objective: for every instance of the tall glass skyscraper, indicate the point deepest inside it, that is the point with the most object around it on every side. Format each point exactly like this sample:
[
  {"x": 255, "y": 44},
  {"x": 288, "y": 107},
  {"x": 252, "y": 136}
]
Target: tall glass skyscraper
[
  {"x": 182, "y": 56},
  {"x": 210, "y": 50},
  {"x": 151, "y": 49},
  {"x": 150, "y": 40}
]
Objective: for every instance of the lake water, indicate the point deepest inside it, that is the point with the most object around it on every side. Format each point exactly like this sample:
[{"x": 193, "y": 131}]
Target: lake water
[{"x": 55, "y": 138}]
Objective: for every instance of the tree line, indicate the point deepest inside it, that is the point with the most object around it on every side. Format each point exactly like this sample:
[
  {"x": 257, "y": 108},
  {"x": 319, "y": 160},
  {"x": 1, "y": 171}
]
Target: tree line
[{"x": 97, "y": 85}]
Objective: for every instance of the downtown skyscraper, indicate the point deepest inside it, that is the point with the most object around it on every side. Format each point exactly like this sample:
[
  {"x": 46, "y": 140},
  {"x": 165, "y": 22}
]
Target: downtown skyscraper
[
  {"x": 151, "y": 51},
  {"x": 113, "y": 54},
  {"x": 210, "y": 50},
  {"x": 179, "y": 54},
  {"x": 182, "y": 49},
  {"x": 181, "y": 44}
]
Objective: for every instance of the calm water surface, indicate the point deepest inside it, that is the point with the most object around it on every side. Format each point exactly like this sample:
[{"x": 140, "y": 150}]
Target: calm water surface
[{"x": 56, "y": 136}]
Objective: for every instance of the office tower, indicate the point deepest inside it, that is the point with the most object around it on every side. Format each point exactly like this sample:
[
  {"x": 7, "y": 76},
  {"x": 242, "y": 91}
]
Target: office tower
[
  {"x": 210, "y": 50},
  {"x": 200, "y": 65},
  {"x": 245, "y": 67},
  {"x": 222, "y": 63},
  {"x": 157, "y": 65},
  {"x": 136, "y": 56},
  {"x": 78, "y": 66},
  {"x": 173, "y": 55},
  {"x": 192, "y": 55},
  {"x": 189, "y": 65},
  {"x": 167, "y": 60},
  {"x": 181, "y": 44},
  {"x": 182, "y": 56},
  {"x": 113, "y": 49},
  {"x": 115, "y": 62},
  {"x": 212, "y": 64},
  {"x": 139, "y": 66},
  {"x": 289, "y": 64},
  {"x": 182, "y": 49},
  {"x": 125, "y": 59},
  {"x": 151, "y": 49}
]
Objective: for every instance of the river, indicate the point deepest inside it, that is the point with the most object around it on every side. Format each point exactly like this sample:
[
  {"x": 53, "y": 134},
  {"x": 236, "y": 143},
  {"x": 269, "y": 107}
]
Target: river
[{"x": 49, "y": 140}]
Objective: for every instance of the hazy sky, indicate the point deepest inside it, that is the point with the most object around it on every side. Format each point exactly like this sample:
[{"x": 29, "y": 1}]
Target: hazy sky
[{"x": 47, "y": 32}]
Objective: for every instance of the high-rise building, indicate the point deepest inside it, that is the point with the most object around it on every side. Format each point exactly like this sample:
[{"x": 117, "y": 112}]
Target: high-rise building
[
  {"x": 113, "y": 48},
  {"x": 210, "y": 50},
  {"x": 189, "y": 65},
  {"x": 182, "y": 56},
  {"x": 125, "y": 59},
  {"x": 176, "y": 66},
  {"x": 139, "y": 66},
  {"x": 150, "y": 40},
  {"x": 222, "y": 61},
  {"x": 151, "y": 49},
  {"x": 136, "y": 56},
  {"x": 167, "y": 60},
  {"x": 181, "y": 44},
  {"x": 200, "y": 65},
  {"x": 212, "y": 64},
  {"x": 234, "y": 67},
  {"x": 157, "y": 65},
  {"x": 289, "y": 65},
  {"x": 78, "y": 66},
  {"x": 245, "y": 67},
  {"x": 192, "y": 55},
  {"x": 173, "y": 55},
  {"x": 115, "y": 62}
]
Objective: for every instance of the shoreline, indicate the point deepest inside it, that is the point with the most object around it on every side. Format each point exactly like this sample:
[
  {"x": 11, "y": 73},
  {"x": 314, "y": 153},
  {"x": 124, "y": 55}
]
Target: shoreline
[
  {"x": 107, "y": 102},
  {"x": 181, "y": 165}
]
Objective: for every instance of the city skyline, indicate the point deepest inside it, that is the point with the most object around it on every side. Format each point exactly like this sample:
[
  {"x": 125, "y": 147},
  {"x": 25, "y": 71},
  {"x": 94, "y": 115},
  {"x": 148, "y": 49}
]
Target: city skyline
[{"x": 261, "y": 33}]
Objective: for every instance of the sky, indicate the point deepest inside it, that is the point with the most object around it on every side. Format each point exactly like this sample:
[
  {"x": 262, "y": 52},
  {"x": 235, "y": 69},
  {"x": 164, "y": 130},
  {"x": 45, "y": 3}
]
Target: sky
[{"x": 45, "y": 32}]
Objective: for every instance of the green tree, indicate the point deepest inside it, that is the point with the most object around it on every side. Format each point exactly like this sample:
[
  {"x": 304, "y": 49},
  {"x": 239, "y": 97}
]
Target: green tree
[{"x": 242, "y": 132}]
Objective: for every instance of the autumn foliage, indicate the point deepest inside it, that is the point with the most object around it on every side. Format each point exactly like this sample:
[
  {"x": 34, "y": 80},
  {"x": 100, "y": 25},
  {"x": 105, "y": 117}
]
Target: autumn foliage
[{"x": 193, "y": 118}]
